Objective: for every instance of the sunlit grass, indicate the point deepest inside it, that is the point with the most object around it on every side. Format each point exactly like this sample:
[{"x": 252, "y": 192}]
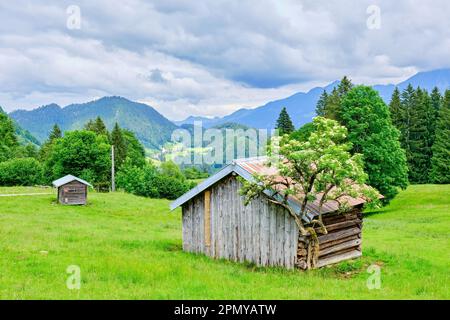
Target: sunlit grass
[{"x": 130, "y": 248}]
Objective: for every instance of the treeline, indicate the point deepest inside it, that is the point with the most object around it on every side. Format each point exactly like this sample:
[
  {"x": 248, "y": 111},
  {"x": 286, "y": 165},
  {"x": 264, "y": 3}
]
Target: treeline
[
  {"x": 405, "y": 142},
  {"x": 370, "y": 131},
  {"x": 87, "y": 154},
  {"x": 423, "y": 120}
]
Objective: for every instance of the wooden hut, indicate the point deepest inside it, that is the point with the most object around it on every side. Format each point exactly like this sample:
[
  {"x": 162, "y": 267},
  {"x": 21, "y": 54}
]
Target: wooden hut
[
  {"x": 217, "y": 223},
  {"x": 72, "y": 190}
]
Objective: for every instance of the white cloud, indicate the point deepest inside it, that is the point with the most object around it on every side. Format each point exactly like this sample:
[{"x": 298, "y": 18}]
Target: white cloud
[{"x": 209, "y": 58}]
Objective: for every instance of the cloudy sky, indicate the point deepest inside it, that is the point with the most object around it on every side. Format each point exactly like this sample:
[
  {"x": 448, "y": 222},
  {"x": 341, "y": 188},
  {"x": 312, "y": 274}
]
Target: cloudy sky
[{"x": 210, "y": 57}]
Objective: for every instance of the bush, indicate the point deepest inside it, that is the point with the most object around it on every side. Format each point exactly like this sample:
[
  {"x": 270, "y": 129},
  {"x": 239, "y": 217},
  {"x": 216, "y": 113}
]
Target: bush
[
  {"x": 148, "y": 181},
  {"x": 138, "y": 181},
  {"x": 21, "y": 172}
]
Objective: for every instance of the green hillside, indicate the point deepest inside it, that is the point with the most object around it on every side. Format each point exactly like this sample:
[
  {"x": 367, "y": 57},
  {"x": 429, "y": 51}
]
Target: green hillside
[
  {"x": 23, "y": 136},
  {"x": 150, "y": 127},
  {"x": 129, "y": 247}
]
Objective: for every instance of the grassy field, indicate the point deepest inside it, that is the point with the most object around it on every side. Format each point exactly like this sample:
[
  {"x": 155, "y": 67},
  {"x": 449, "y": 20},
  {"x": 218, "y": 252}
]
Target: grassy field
[{"x": 129, "y": 247}]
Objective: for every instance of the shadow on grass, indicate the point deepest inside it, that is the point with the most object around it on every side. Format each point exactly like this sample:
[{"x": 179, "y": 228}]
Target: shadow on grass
[{"x": 368, "y": 214}]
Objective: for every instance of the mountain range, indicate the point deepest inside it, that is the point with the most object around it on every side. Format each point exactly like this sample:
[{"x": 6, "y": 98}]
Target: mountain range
[
  {"x": 301, "y": 106},
  {"x": 150, "y": 127},
  {"x": 153, "y": 129}
]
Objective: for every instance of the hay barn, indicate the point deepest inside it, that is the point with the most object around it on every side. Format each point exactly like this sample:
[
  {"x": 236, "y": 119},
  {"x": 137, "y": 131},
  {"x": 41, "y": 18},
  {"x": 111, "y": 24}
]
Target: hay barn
[
  {"x": 218, "y": 224},
  {"x": 72, "y": 190}
]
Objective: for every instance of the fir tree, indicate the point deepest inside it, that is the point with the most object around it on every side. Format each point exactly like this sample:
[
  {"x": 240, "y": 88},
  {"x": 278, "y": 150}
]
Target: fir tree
[
  {"x": 332, "y": 109},
  {"x": 118, "y": 141},
  {"x": 440, "y": 163},
  {"x": 419, "y": 152},
  {"x": 284, "y": 123},
  {"x": 46, "y": 148},
  {"x": 436, "y": 103},
  {"x": 407, "y": 101},
  {"x": 321, "y": 104},
  {"x": 397, "y": 112},
  {"x": 97, "y": 126},
  {"x": 55, "y": 133}
]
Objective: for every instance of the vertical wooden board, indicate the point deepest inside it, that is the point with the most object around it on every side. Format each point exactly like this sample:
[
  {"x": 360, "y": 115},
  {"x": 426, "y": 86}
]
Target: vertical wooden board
[
  {"x": 183, "y": 226},
  {"x": 207, "y": 221},
  {"x": 263, "y": 229},
  {"x": 191, "y": 226},
  {"x": 287, "y": 241},
  {"x": 236, "y": 218},
  {"x": 232, "y": 222},
  {"x": 219, "y": 223},
  {"x": 226, "y": 222},
  {"x": 240, "y": 224},
  {"x": 194, "y": 224},
  {"x": 257, "y": 231},
  {"x": 280, "y": 234},
  {"x": 272, "y": 226},
  {"x": 249, "y": 214}
]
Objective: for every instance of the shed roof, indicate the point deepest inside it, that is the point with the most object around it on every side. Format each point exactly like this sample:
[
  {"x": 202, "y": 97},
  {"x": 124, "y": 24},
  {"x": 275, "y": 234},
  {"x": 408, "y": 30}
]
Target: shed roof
[
  {"x": 246, "y": 168},
  {"x": 69, "y": 178}
]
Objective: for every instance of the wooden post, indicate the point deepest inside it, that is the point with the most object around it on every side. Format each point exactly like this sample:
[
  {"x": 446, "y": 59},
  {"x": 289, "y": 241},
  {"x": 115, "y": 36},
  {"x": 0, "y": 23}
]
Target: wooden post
[
  {"x": 207, "y": 219},
  {"x": 113, "y": 181}
]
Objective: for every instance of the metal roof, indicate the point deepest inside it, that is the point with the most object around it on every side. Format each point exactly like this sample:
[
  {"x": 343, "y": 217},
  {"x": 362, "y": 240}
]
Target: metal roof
[
  {"x": 246, "y": 168},
  {"x": 69, "y": 178}
]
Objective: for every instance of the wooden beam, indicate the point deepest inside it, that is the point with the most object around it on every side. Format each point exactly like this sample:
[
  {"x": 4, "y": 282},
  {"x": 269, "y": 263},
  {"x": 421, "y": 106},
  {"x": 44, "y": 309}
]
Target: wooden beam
[
  {"x": 338, "y": 258},
  {"x": 340, "y": 234},
  {"x": 339, "y": 247}
]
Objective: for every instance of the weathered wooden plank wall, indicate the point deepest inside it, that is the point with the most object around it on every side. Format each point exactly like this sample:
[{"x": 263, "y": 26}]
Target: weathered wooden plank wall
[
  {"x": 260, "y": 232},
  {"x": 72, "y": 193}
]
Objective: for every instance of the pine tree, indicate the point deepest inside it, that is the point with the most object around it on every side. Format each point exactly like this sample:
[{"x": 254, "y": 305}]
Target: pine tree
[
  {"x": 118, "y": 141},
  {"x": 97, "y": 126},
  {"x": 372, "y": 133},
  {"x": 332, "y": 109},
  {"x": 55, "y": 133},
  {"x": 397, "y": 112},
  {"x": 419, "y": 155},
  {"x": 344, "y": 86},
  {"x": 333, "y": 105},
  {"x": 407, "y": 101},
  {"x": 284, "y": 123},
  {"x": 436, "y": 103},
  {"x": 440, "y": 163},
  {"x": 46, "y": 148},
  {"x": 321, "y": 104}
]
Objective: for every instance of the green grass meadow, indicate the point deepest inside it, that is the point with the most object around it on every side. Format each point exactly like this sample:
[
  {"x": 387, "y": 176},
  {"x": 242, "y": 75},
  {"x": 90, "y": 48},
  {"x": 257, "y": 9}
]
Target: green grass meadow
[{"x": 129, "y": 247}]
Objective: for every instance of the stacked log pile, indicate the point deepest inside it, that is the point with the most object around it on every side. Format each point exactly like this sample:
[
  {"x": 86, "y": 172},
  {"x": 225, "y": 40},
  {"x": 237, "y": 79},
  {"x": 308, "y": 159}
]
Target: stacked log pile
[{"x": 342, "y": 242}]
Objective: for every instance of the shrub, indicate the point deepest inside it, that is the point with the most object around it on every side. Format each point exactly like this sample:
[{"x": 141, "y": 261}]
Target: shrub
[{"x": 21, "y": 172}]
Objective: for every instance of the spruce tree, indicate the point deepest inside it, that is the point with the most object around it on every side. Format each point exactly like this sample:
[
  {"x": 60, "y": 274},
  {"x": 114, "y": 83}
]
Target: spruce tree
[
  {"x": 332, "y": 109},
  {"x": 397, "y": 112},
  {"x": 419, "y": 152},
  {"x": 55, "y": 133},
  {"x": 372, "y": 133},
  {"x": 321, "y": 104},
  {"x": 97, "y": 126},
  {"x": 436, "y": 103},
  {"x": 284, "y": 123},
  {"x": 440, "y": 163},
  {"x": 407, "y": 101},
  {"x": 46, "y": 148},
  {"x": 118, "y": 141}
]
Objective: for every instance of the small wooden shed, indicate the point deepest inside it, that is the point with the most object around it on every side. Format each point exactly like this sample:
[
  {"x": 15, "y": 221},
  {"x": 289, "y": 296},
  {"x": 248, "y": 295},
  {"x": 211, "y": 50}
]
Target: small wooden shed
[
  {"x": 72, "y": 190},
  {"x": 217, "y": 223}
]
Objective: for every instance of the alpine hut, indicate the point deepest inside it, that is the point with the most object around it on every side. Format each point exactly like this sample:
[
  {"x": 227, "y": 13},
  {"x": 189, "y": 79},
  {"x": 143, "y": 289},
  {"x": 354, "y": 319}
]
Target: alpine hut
[
  {"x": 217, "y": 223},
  {"x": 72, "y": 190}
]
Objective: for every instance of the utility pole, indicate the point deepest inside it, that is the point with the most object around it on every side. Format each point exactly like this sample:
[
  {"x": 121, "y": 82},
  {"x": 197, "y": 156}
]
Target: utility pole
[{"x": 113, "y": 181}]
